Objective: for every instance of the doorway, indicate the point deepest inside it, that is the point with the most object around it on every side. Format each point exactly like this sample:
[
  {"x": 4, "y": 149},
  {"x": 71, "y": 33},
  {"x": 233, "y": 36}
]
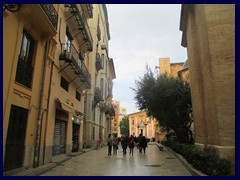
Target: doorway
[{"x": 15, "y": 138}]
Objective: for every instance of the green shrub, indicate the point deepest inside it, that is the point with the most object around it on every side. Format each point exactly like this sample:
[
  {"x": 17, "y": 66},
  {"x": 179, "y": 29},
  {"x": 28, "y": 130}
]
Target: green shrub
[{"x": 208, "y": 163}]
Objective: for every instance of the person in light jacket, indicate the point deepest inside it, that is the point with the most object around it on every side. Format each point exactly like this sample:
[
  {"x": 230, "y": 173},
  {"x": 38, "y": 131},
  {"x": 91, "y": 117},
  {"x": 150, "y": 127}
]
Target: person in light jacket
[{"x": 115, "y": 144}]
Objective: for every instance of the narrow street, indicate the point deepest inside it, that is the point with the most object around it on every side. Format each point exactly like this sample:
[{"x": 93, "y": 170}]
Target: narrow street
[{"x": 98, "y": 163}]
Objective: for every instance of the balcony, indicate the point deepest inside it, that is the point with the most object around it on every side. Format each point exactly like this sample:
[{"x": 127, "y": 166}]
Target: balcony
[
  {"x": 75, "y": 67},
  {"x": 51, "y": 13},
  {"x": 97, "y": 96},
  {"x": 24, "y": 73},
  {"x": 43, "y": 17},
  {"x": 77, "y": 22},
  {"x": 98, "y": 62},
  {"x": 88, "y": 9}
]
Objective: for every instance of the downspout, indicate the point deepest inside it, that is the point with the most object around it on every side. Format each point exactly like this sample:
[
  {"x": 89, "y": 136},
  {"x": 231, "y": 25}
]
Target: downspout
[
  {"x": 39, "y": 117},
  {"x": 49, "y": 95}
]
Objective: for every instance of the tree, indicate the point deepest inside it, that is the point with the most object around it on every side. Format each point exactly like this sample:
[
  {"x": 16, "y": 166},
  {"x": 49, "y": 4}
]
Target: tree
[
  {"x": 168, "y": 99},
  {"x": 124, "y": 126}
]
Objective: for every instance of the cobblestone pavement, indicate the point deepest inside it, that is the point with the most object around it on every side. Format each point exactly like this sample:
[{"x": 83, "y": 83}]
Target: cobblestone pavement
[{"x": 98, "y": 163}]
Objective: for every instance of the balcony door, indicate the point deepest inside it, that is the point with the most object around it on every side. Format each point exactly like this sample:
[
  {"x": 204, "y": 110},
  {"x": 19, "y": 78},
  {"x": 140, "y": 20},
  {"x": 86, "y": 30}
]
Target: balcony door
[{"x": 25, "y": 60}]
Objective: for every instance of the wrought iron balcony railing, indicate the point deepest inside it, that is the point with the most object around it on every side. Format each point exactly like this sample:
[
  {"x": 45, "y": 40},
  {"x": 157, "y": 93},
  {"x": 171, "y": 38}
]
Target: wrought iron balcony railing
[
  {"x": 81, "y": 20},
  {"x": 24, "y": 73},
  {"x": 72, "y": 57},
  {"x": 97, "y": 95},
  {"x": 51, "y": 13}
]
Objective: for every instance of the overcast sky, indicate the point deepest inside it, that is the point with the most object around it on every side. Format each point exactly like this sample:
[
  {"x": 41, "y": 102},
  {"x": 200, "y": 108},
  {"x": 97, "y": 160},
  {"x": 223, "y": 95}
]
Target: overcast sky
[{"x": 140, "y": 35}]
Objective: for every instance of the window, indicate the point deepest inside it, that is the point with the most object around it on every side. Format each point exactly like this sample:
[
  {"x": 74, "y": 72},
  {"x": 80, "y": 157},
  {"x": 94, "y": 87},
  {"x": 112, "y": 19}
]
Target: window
[
  {"x": 64, "y": 83},
  {"x": 25, "y": 60},
  {"x": 93, "y": 133},
  {"x": 101, "y": 87},
  {"x": 68, "y": 41},
  {"x": 132, "y": 121},
  {"x": 103, "y": 62},
  {"x": 78, "y": 96}
]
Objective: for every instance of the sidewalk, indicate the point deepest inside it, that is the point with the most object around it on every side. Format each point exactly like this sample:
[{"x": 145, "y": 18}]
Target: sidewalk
[{"x": 41, "y": 169}]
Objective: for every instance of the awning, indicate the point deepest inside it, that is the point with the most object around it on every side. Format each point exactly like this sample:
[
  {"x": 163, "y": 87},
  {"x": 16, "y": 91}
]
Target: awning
[
  {"x": 69, "y": 108},
  {"x": 65, "y": 106}
]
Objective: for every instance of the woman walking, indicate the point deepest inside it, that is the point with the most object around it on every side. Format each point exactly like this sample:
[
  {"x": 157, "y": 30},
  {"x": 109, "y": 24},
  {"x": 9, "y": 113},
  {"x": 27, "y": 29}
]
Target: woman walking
[{"x": 115, "y": 144}]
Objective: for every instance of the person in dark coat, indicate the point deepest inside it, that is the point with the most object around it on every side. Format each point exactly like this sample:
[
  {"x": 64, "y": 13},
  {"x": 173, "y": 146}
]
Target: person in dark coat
[
  {"x": 124, "y": 144},
  {"x": 140, "y": 142},
  {"x": 109, "y": 144},
  {"x": 144, "y": 143}
]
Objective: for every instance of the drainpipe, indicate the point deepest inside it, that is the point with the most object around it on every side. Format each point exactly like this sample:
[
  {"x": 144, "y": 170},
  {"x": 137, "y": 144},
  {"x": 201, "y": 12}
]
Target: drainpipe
[
  {"x": 39, "y": 117},
  {"x": 45, "y": 129}
]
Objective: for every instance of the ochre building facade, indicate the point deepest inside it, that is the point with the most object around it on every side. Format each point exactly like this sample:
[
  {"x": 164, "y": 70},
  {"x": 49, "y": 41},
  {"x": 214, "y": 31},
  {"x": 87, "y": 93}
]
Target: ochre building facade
[{"x": 54, "y": 59}]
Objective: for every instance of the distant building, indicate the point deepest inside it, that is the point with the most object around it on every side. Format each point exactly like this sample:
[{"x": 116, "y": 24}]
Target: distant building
[
  {"x": 169, "y": 68},
  {"x": 140, "y": 123},
  {"x": 115, "y": 121},
  {"x": 184, "y": 72},
  {"x": 122, "y": 114}
]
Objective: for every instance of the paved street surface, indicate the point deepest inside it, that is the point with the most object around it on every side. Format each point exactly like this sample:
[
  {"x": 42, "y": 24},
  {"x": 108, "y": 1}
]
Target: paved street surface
[{"x": 98, "y": 163}]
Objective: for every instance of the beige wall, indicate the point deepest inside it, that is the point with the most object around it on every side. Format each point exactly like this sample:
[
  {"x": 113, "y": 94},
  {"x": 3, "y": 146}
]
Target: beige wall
[{"x": 170, "y": 68}]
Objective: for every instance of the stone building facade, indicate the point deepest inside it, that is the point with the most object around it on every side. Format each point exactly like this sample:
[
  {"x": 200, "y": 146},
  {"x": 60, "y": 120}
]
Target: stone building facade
[
  {"x": 98, "y": 99},
  {"x": 208, "y": 33}
]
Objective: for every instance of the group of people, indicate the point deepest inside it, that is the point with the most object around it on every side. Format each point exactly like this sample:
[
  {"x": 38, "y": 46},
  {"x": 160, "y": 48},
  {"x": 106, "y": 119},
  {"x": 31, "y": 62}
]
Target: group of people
[{"x": 126, "y": 142}]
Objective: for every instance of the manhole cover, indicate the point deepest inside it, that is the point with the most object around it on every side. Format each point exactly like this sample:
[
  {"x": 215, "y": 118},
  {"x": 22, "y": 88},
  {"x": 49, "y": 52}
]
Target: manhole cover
[
  {"x": 170, "y": 158},
  {"x": 153, "y": 165}
]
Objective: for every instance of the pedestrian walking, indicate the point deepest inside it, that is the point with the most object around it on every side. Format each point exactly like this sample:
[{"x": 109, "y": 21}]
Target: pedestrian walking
[
  {"x": 124, "y": 144},
  {"x": 115, "y": 144},
  {"x": 109, "y": 144},
  {"x": 144, "y": 143},
  {"x": 131, "y": 144},
  {"x": 140, "y": 142}
]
